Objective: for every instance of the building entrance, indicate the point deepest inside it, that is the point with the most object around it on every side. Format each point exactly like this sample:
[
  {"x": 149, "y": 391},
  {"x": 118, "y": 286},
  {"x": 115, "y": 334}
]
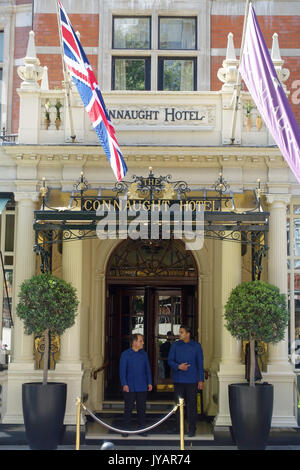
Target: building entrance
[{"x": 153, "y": 305}]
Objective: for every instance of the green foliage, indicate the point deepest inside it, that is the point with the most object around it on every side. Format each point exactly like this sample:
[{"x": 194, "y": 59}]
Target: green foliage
[
  {"x": 58, "y": 105},
  {"x": 256, "y": 310},
  {"x": 172, "y": 75},
  {"x": 47, "y": 303},
  {"x": 135, "y": 74}
]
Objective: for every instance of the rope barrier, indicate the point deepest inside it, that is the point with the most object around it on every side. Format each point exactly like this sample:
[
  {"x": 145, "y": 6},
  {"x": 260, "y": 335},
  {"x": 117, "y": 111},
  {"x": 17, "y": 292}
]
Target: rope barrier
[{"x": 123, "y": 431}]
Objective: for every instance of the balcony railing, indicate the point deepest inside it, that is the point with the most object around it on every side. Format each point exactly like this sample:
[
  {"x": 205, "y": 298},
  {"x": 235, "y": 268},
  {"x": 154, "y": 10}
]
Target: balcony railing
[{"x": 7, "y": 138}]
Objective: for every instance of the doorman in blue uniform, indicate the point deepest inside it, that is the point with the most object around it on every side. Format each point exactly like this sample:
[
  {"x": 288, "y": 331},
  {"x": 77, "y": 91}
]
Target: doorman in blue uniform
[
  {"x": 186, "y": 360},
  {"x": 136, "y": 380}
]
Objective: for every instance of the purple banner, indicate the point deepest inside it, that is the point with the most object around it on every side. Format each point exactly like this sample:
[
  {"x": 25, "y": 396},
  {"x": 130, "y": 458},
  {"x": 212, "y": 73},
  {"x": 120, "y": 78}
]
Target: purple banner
[{"x": 259, "y": 74}]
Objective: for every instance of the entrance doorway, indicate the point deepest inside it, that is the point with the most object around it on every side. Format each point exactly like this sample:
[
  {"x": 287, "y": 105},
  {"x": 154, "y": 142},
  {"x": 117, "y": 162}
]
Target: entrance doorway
[{"x": 153, "y": 303}]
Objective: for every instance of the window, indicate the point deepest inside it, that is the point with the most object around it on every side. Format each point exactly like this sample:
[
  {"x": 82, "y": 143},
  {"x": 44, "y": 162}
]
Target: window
[
  {"x": 177, "y": 33},
  {"x": 131, "y": 73},
  {"x": 131, "y": 68},
  {"x": 1, "y": 72},
  {"x": 131, "y": 33},
  {"x": 7, "y": 234},
  {"x": 138, "y": 258},
  {"x": 176, "y": 74},
  {"x": 1, "y": 87},
  {"x": 293, "y": 259}
]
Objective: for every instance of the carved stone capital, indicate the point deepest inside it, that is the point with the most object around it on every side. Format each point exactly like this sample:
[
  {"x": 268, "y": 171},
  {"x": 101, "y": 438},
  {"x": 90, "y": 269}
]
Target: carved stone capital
[
  {"x": 278, "y": 199},
  {"x": 21, "y": 196}
]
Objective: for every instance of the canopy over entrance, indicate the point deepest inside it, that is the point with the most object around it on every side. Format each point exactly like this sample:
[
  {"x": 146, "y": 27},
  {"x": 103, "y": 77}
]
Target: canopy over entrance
[{"x": 152, "y": 208}]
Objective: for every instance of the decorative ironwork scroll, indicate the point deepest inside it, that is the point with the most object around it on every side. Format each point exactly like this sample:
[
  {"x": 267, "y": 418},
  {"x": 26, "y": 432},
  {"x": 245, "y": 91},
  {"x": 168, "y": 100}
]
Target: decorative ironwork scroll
[
  {"x": 152, "y": 187},
  {"x": 159, "y": 258}
]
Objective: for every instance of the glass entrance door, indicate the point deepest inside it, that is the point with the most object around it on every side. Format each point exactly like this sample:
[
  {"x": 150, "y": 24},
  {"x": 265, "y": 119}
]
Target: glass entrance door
[
  {"x": 154, "y": 312},
  {"x": 168, "y": 321}
]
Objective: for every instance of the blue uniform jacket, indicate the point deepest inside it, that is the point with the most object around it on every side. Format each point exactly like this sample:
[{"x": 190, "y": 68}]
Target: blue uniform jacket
[
  {"x": 135, "y": 370},
  {"x": 191, "y": 353}
]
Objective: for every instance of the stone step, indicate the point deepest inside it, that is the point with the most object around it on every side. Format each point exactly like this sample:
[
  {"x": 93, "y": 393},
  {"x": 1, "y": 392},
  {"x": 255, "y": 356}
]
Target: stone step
[
  {"x": 96, "y": 433},
  {"x": 116, "y": 406}
]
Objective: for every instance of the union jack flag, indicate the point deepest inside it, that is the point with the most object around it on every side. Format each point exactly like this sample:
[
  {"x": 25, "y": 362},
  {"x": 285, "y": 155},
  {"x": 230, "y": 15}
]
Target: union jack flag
[{"x": 88, "y": 88}]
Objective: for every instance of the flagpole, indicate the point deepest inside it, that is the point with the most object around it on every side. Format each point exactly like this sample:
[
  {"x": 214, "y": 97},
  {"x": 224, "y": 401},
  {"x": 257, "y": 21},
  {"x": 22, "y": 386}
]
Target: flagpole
[
  {"x": 66, "y": 77},
  {"x": 237, "y": 91}
]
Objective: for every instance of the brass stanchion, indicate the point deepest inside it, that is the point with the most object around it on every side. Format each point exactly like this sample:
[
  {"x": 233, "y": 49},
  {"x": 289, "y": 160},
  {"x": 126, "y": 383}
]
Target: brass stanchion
[
  {"x": 181, "y": 404},
  {"x": 78, "y": 403}
]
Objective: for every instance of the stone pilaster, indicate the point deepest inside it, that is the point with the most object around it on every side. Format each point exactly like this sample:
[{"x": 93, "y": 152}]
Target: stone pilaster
[
  {"x": 69, "y": 367},
  {"x": 279, "y": 370},
  {"x": 277, "y": 263},
  {"x": 24, "y": 269},
  {"x": 72, "y": 273},
  {"x": 21, "y": 369},
  {"x": 231, "y": 369}
]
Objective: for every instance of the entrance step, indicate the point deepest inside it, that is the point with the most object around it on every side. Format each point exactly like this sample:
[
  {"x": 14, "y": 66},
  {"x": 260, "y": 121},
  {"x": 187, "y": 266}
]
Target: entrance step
[
  {"x": 115, "y": 406},
  {"x": 95, "y": 433}
]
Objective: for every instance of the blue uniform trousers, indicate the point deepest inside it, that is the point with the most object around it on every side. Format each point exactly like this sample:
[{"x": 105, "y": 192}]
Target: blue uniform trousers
[
  {"x": 188, "y": 391},
  {"x": 140, "y": 399}
]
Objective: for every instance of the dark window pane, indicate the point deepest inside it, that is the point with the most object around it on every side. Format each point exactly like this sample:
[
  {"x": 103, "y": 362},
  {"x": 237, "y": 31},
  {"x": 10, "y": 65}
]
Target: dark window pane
[
  {"x": 1, "y": 85},
  {"x": 7, "y": 300},
  {"x": 131, "y": 74},
  {"x": 137, "y": 319},
  {"x": 8, "y": 260},
  {"x": 177, "y": 74},
  {"x": 288, "y": 236},
  {"x": 9, "y": 232},
  {"x": 177, "y": 33},
  {"x": 1, "y": 45},
  {"x": 131, "y": 33},
  {"x": 297, "y": 237}
]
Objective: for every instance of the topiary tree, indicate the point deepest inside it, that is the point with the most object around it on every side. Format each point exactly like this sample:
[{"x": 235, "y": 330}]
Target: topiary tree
[
  {"x": 256, "y": 311},
  {"x": 47, "y": 305}
]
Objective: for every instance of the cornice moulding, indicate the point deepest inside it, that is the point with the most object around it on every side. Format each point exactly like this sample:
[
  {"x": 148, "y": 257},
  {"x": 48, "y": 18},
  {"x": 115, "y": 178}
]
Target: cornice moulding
[
  {"x": 88, "y": 149},
  {"x": 143, "y": 156}
]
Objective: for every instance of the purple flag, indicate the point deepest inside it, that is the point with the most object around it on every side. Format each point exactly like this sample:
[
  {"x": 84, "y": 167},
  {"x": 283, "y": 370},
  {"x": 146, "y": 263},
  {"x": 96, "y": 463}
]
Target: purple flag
[{"x": 259, "y": 74}]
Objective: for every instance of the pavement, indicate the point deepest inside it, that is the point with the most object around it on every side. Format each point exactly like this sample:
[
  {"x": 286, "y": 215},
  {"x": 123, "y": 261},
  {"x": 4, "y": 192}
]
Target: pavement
[
  {"x": 12, "y": 439},
  {"x": 157, "y": 449}
]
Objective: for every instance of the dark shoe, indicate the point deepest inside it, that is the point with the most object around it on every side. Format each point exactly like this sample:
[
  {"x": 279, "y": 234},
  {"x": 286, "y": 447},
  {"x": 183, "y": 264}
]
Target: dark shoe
[
  {"x": 144, "y": 434},
  {"x": 124, "y": 435},
  {"x": 191, "y": 433}
]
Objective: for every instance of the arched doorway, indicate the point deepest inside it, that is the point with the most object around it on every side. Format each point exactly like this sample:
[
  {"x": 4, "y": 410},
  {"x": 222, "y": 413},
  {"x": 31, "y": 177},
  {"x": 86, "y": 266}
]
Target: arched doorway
[{"x": 151, "y": 289}]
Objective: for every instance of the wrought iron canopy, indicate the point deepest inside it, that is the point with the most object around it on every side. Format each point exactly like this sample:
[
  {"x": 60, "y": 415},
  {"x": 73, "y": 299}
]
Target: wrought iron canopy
[{"x": 221, "y": 220}]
